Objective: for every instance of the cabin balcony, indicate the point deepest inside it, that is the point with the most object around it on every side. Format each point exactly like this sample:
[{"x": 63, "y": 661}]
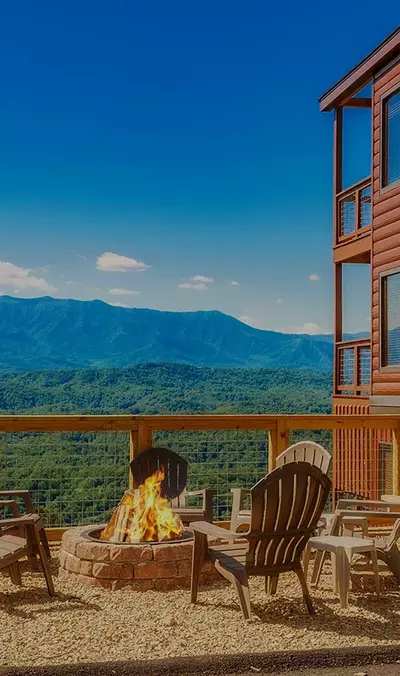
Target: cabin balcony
[
  {"x": 353, "y": 224},
  {"x": 353, "y": 368}
]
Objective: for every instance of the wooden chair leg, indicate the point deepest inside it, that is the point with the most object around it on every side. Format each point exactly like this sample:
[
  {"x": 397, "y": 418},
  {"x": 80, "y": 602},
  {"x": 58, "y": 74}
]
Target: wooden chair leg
[
  {"x": 271, "y": 585},
  {"x": 305, "y": 590},
  {"x": 242, "y": 590},
  {"x": 44, "y": 541},
  {"x": 374, "y": 560},
  {"x": 15, "y": 573},
  {"x": 31, "y": 541},
  {"x": 317, "y": 570},
  {"x": 44, "y": 561},
  {"x": 199, "y": 552}
]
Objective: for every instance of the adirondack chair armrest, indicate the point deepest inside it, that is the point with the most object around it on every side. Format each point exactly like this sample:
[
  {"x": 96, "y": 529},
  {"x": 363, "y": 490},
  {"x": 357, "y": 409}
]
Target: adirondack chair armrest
[
  {"x": 213, "y": 531},
  {"x": 207, "y": 494},
  {"x": 25, "y": 497},
  {"x": 19, "y": 521}
]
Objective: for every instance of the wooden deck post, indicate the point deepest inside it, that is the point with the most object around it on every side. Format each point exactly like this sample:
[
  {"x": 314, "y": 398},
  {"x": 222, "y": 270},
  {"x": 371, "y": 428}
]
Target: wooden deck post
[
  {"x": 396, "y": 464},
  {"x": 278, "y": 441},
  {"x": 140, "y": 440}
]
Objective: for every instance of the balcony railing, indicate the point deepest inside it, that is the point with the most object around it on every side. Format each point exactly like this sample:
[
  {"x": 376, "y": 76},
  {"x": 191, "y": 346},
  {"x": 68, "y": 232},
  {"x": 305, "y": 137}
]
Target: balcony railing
[
  {"x": 77, "y": 467},
  {"x": 353, "y": 211},
  {"x": 353, "y": 368}
]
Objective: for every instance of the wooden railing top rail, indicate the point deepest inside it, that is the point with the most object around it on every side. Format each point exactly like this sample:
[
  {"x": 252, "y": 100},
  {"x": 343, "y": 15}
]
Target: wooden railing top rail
[
  {"x": 364, "y": 183},
  {"x": 121, "y": 423},
  {"x": 360, "y": 342}
]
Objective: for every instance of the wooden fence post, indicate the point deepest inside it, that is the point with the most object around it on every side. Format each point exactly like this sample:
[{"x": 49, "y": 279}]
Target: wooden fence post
[
  {"x": 140, "y": 440},
  {"x": 396, "y": 465},
  {"x": 278, "y": 441}
]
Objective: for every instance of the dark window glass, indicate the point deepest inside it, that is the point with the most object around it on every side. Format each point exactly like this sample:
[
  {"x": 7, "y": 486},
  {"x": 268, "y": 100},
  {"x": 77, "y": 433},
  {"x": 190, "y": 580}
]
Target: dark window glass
[
  {"x": 391, "y": 320},
  {"x": 391, "y": 154}
]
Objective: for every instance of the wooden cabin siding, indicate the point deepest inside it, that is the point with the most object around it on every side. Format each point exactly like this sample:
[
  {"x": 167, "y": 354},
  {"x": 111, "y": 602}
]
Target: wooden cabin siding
[{"x": 385, "y": 234}]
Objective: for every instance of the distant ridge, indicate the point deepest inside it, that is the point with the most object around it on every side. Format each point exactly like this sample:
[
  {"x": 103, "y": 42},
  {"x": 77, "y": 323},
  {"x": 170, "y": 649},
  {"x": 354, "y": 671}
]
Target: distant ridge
[{"x": 48, "y": 333}]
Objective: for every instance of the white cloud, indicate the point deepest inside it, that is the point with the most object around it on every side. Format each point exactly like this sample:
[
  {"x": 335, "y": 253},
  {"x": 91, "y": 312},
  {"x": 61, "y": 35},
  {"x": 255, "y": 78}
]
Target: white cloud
[
  {"x": 197, "y": 287},
  {"x": 112, "y": 262},
  {"x": 123, "y": 292},
  {"x": 308, "y": 327},
  {"x": 279, "y": 300},
  {"x": 233, "y": 283},
  {"x": 84, "y": 258},
  {"x": 71, "y": 281},
  {"x": 313, "y": 277},
  {"x": 249, "y": 320},
  {"x": 21, "y": 278},
  {"x": 201, "y": 278},
  {"x": 119, "y": 304}
]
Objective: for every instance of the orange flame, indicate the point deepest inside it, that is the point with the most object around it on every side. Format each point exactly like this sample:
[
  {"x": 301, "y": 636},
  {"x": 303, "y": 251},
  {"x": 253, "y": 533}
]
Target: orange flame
[{"x": 144, "y": 515}]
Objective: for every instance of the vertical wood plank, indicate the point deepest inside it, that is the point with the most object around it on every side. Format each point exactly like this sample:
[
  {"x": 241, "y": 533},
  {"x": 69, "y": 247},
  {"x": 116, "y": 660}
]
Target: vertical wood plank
[
  {"x": 133, "y": 451},
  {"x": 277, "y": 442},
  {"x": 140, "y": 440},
  {"x": 337, "y": 168},
  {"x": 396, "y": 466},
  {"x": 272, "y": 453}
]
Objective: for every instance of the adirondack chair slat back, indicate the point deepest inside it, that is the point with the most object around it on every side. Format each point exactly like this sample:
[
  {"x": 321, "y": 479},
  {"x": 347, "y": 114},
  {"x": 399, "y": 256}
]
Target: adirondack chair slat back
[
  {"x": 175, "y": 470},
  {"x": 285, "y": 509},
  {"x": 306, "y": 451}
]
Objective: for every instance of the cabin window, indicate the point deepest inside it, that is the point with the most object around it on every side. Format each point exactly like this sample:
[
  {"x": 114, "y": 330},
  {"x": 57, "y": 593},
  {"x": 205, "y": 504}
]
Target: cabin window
[
  {"x": 391, "y": 319},
  {"x": 391, "y": 139}
]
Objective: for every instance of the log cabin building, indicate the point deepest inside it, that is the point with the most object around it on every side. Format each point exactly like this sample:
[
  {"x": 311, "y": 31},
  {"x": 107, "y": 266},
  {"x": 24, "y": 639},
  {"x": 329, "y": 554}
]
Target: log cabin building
[{"x": 367, "y": 233}]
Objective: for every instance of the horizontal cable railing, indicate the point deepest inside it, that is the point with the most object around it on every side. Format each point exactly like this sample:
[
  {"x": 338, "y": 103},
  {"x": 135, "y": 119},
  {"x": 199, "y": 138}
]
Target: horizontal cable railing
[
  {"x": 77, "y": 467},
  {"x": 353, "y": 368},
  {"x": 353, "y": 211}
]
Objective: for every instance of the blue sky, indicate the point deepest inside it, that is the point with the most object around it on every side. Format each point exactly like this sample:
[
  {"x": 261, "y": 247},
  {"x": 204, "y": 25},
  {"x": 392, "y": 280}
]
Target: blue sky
[{"x": 186, "y": 137}]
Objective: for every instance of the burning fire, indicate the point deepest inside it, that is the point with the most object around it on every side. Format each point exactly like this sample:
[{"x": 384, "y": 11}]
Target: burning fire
[{"x": 144, "y": 515}]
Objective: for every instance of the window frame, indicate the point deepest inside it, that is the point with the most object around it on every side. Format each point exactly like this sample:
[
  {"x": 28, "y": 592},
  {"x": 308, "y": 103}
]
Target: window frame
[
  {"x": 385, "y": 368},
  {"x": 383, "y": 168}
]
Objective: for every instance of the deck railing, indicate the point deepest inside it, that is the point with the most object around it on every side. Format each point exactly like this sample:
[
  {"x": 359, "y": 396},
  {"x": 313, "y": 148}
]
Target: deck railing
[
  {"x": 353, "y": 211},
  {"x": 77, "y": 467},
  {"x": 353, "y": 368}
]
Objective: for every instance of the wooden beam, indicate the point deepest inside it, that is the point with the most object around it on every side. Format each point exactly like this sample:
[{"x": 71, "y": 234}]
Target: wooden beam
[
  {"x": 356, "y": 250},
  {"x": 176, "y": 423},
  {"x": 359, "y": 102},
  {"x": 337, "y": 151},
  {"x": 67, "y": 423}
]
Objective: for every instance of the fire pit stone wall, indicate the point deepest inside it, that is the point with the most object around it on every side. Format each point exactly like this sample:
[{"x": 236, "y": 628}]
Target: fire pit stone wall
[{"x": 113, "y": 566}]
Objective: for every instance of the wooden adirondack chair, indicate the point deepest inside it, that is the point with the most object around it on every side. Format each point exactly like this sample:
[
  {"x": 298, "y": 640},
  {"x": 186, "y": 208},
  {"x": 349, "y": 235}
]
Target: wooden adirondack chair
[
  {"x": 12, "y": 504},
  {"x": 303, "y": 451},
  {"x": 285, "y": 509},
  {"x": 13, "y": 548},
  {"x": 174, "y": 484}
]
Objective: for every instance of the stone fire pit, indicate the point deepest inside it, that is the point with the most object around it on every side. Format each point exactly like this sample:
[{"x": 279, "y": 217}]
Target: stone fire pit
[{"x": 109, "y": 565}]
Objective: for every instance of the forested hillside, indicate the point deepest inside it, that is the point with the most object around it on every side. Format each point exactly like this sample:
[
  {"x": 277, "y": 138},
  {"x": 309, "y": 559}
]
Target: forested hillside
[{"x": 166, "y": 388}]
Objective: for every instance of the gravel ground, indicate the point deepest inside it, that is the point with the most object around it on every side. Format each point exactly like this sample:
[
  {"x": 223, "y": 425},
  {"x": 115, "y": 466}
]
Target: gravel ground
[{"x": 89, "y": 625}]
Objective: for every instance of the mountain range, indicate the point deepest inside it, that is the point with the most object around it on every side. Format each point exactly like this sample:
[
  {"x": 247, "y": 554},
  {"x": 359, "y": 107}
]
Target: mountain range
[{"x": 49, "y": 333}]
